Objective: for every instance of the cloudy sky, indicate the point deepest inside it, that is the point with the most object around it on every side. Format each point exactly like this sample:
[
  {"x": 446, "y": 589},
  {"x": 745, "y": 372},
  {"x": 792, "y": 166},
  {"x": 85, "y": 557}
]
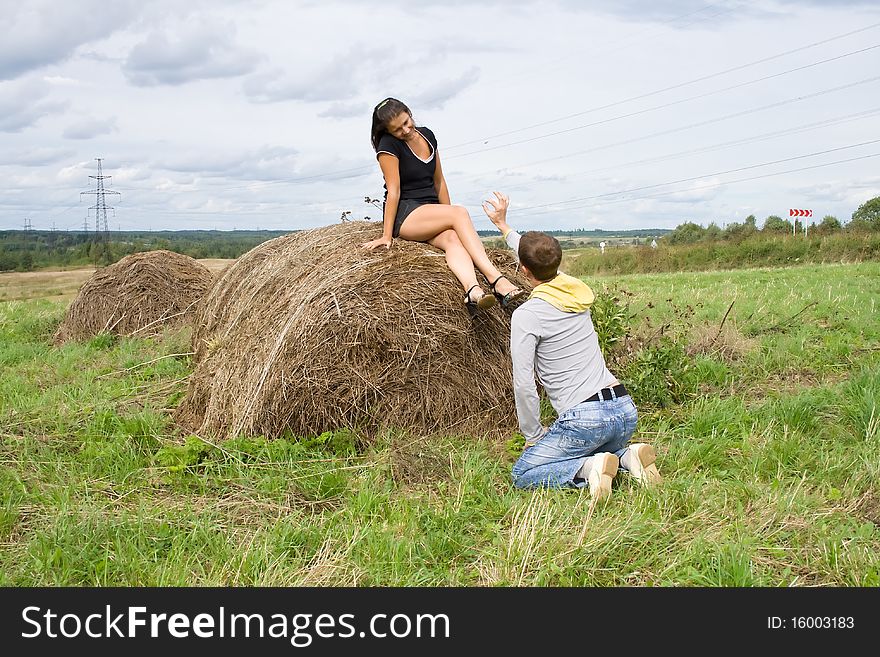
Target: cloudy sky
[{"x": 589, "y": 113}]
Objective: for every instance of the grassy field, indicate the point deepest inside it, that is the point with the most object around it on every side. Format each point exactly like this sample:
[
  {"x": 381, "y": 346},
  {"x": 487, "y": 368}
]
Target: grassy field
[
  {"x": 770, "y": 453},
  {"x": 759, "y": 250},
  {"x": 61, "y": 285}
]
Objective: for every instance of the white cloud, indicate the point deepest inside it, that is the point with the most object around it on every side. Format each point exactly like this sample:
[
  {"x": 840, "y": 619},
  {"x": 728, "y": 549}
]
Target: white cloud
[
  {"x": 345, "y": 110},
  {"x": 198, "y": 52},
  {"x": 34, "y": 157},
  {"x": 89, "y": 128},
  {"x": 131, "y": 174},
  {"x": 699, "y": 191},
  {"x": 442, "y": 91},
  {"x": 23, "y": 104},
  {"x": 839, "y": 191},
  {"x": 341, "y": 78},
  {"x": 228, "y": 112},
  {"x": 38, "y": 33},
  {"x": 62, "y": 81},
  {"x": 79, "y": 171},
  {"x": 265, "y": 163}
]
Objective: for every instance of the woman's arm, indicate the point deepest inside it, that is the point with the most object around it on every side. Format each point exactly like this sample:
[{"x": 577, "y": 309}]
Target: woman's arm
[
  {"x": 391, "y": 171},
  {"x": 440, "y": 181}
]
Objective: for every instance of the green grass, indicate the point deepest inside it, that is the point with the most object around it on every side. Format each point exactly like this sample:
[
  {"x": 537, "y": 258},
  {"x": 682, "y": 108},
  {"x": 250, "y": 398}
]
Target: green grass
[
  {"x": 771, "y": 465},
  {"x": 759, "y": 250}
]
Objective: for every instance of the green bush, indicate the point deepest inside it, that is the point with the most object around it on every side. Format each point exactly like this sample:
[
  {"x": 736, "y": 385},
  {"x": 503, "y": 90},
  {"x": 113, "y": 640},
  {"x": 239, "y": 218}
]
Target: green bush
[
  {"x": 612, "y": 318},
  {"x": 661, "y": 374},
  {"x": 759, "y": 250}
]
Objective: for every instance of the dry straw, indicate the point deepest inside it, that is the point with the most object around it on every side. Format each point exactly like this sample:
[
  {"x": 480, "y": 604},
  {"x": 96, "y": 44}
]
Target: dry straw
[
  {"x": 309, "y": 333},
  {"x": 142, "y": 294}
]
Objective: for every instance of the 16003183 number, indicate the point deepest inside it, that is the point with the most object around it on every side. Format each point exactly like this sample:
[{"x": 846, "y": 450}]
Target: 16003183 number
[{"x": 822, "y": 622}]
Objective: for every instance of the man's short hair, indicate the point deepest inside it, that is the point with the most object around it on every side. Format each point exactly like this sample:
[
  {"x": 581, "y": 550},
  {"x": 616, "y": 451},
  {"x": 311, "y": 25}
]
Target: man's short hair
[{"x": 541, "y": 253}]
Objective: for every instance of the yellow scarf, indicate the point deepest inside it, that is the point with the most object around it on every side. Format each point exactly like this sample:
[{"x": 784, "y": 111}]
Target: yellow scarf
[{"x": 567, "y": 293}]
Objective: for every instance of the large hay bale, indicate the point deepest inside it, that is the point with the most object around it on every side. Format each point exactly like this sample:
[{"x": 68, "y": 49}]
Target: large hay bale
[
  {"x": 142, "y": 294},
  {"x": 309, "y": 333}
]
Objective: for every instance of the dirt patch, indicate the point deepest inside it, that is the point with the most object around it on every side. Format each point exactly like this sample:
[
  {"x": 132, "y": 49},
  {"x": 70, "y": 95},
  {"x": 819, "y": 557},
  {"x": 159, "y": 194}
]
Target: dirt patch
[
  {"x": 417, "y": 462},
  {"x": 868, "y": 508},
  {"x": 724, "y": 342}
]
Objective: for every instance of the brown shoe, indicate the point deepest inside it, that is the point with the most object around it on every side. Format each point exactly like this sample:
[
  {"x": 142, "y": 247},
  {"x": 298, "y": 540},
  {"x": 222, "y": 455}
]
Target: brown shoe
[
  {"x": 641, "y": 459},
  {"x": 479, "y": 300},
  {"x": 601, "y": 475}
]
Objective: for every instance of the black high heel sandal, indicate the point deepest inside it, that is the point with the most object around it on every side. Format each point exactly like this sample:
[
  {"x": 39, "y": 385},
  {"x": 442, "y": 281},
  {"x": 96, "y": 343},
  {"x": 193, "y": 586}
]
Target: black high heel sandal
[
  {"x": 506, "y": 299},
  {"x": 484, "y": 302}
]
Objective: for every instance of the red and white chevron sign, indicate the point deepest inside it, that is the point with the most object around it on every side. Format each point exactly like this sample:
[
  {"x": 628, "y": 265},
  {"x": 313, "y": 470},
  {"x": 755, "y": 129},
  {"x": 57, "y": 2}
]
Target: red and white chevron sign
[{"x": 800, "y": 213}]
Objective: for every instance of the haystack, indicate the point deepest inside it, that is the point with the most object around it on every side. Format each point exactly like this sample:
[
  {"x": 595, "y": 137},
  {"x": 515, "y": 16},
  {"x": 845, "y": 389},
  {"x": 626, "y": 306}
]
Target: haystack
[
  {"x": 309, "y": 333},
  {"x": 142, "y": 294}
]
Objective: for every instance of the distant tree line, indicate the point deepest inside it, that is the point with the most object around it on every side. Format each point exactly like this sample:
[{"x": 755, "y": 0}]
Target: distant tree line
[
  {"x": 760, "y": 250},
  {"x": 691, "y": 247},
  {"x": 581, "y": 233},
  {"x": 579, "y": 238},
  {"x": 865, "y": 219},
  {"x": 29, "y": 250}
]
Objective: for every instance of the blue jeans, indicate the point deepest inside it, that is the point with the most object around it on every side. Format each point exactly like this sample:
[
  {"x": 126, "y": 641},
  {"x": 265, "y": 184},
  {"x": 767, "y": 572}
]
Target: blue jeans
[{"x": 581, "y": 431}]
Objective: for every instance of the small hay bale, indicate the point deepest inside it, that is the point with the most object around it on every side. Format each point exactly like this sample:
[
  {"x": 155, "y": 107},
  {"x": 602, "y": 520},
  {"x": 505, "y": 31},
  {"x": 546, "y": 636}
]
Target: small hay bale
[
  {"x": 309, "y": 333},
  {"x": 142, "y": 294}
]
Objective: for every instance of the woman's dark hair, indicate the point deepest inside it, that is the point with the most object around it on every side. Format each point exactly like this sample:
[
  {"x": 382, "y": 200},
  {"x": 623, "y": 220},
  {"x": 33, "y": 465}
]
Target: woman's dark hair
[{"x": 382, "y": 114}]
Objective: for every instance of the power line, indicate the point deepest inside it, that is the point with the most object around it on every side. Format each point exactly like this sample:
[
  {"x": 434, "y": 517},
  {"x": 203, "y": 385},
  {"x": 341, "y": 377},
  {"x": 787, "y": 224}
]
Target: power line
[
  {"x": 738, "y": 142},
  {"x": 710, "y": 185},
  {"x": 663, "y": 106},
  {"x": 670, "y": 88},
  {"x": 340, "y": 173},
  {"x": 706, "y": 149},
  {"x": 57, "y": 212},
  {"x": 368, "y": 168},
  {"x": 715, "y": 173},
  {"x": 364, "y": 168},
  {"x": 357, "y": 198},
  {"x": 700, "y": 124},
  {"x": 661, "y": 158},
  {"x": 604, "y": 51}
]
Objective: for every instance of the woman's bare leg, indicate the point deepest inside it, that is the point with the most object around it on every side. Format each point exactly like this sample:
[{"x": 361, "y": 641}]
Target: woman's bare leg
[
  {"x": 456, "y": 257},
  {"x": 428, "y": 221}
]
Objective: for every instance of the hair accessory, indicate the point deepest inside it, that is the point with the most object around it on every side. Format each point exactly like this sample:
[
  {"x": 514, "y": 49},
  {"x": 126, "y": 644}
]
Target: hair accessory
[{"x": 379, "y": 106}]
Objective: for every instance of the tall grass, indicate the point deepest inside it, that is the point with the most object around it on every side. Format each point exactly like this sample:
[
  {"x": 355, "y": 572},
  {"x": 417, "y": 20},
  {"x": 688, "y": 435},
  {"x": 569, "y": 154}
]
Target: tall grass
[
  {"x": 757, "y": 251},
  {"x": 770, "y": 466}
]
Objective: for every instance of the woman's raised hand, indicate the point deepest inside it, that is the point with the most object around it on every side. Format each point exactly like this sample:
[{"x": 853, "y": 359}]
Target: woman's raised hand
[{"x": 373, "y": 244}]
